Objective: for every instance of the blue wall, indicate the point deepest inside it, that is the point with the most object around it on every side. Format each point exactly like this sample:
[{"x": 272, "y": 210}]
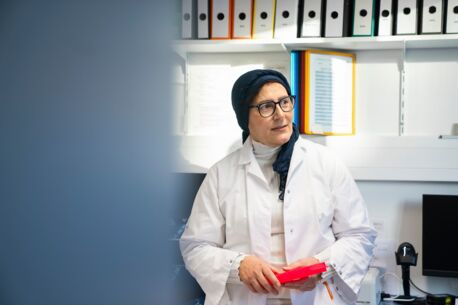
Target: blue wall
[{"x": 84, "y": 152}]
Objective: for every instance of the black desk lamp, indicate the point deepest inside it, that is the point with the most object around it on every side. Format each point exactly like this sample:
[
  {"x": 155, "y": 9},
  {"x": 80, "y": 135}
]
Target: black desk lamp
[{"x": 406, "y": 257}]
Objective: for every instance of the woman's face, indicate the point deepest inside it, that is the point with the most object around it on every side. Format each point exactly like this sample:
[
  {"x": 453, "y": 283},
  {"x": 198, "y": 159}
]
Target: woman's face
[{"x": 276, "y": 129}]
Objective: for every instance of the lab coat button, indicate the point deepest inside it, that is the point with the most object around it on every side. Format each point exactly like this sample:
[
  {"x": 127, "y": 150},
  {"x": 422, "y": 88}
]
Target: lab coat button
[{"x": 288, "y": 191}]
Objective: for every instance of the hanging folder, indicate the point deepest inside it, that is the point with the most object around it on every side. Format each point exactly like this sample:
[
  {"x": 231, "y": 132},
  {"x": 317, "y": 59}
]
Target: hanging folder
[
  {"x": 312, "y": 13},
  {"x": 406, "y": 17},
  {"x": 363, "y": 18},
  {"x": 203, "y": 25},
  {"x": 263, "y": 20},
  {"x": 431, "y": 17},
  {"x": 337, "y": 18},
  {"x": 220, "y": 19},
  {"x": 329, "y": 93},
  {"x": 242, "y": 23},
  {"x": 451, "y": 24},
  {"x": 188, "y": 19},
  {"x": 286, "y": 19},
  {"x": 302, "y": 92},
  {"x": 295, "y": 84},
  {"x": 384, "y": 23}
]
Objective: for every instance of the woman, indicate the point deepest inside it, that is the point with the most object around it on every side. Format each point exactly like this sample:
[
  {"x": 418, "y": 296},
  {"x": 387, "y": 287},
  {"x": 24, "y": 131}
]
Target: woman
[{"x": 277, "y": 203}]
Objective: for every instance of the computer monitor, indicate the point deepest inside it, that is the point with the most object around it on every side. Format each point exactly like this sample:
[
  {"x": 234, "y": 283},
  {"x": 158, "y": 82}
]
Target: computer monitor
[{"x": 440, "y": 235}]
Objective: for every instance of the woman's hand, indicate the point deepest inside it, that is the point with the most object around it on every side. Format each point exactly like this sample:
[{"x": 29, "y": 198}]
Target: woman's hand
[
  {"x": 258, "y": 275},
  {"x": 305, "y": 284}
]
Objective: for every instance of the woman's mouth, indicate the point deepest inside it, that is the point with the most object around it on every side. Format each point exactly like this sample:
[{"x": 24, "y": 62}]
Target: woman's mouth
[{"x": 280, "y": 128}]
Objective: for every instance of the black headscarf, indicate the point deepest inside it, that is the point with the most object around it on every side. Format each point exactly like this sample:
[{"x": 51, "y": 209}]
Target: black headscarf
[{"x": 245, "y": 88}]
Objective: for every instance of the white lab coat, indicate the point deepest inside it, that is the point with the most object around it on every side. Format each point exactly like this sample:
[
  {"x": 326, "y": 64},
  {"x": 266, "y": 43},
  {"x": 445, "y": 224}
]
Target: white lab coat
[{"x": 324, "y": 217}]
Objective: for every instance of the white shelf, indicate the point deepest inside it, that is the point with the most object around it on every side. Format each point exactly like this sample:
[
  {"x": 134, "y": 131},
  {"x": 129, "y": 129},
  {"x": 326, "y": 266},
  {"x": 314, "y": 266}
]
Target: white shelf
[
  {"x": 389, "y": 158},
  {"x": 344, "y": 43}
]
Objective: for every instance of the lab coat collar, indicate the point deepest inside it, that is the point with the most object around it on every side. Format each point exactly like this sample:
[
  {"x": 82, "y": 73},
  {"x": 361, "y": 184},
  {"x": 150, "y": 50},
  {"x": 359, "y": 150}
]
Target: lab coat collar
[
  {"x": 300, "y": 147},
  {"x": 247, "y": 158},
  {"x": 247, "y": 155}
]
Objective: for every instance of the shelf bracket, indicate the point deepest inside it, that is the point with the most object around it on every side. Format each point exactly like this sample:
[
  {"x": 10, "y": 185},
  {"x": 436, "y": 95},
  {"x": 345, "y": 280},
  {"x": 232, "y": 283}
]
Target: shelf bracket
[
  {"x": 402, "y": 96},
  {"x": 285, "y": 47}
]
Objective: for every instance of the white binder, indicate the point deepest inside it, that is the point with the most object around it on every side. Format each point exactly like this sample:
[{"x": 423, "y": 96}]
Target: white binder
[
  {"x": 202, "y": 19},
  {"x": 363, "y": 18},
  {"x": 242, "y": 19},
  {"x": 385, "y": 18},
  {"x": 220, "y": 19},
  {"x": 452, "y": 17},
  {"x": 311, "y": 21},
  {"x": 431, "y": 17},
  {"x": 263, "y": 26},
  {"x": 286, "y": 14},
  {"x": 188, "y": 19},
  {"x": 406, "y": 19},
  {"x": 337, "y": 18}
]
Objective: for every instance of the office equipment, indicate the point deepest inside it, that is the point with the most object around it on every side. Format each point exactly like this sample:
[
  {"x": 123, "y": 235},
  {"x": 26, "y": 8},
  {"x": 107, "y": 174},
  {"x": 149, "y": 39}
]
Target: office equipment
[
  {"x": 439, "y": 226},
  {"x": 431, "y": 17},
  {"x": 406, "y": 17},
  {"x": 203, "y": 24},
  {"x": 243, "y": 19},
  {"x": 188, "y": 19},
  {"x": 371, "y": 288},
  {"x": 363, "y": 18},
  {"x": 440, "y": 299},
  {"x": 337, "y": 18},
  {"x": 300, "y": 273},
  {"x": 286, "y": 19},
  {"x": 263, "y": 19},
  {"x": 406, "y": 257},
  {"x": 220, "y": 19},
  {"x": 312, "y": 15},
  {"x": 384, "y": 22},
  {"x": 451, "y": 17},
  {"x": 329, "y": 93}
]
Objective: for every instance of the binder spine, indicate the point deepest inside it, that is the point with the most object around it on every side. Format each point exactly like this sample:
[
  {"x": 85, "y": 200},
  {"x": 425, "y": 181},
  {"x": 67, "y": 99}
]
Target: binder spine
[
  {"x": 377, "y": 16},
  {"x": 347, "y": 18}
]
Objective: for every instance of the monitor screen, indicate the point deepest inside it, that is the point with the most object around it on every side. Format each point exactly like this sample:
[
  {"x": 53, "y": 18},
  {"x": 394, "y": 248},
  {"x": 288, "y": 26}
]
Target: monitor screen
[{"x": 440, "y": 235}]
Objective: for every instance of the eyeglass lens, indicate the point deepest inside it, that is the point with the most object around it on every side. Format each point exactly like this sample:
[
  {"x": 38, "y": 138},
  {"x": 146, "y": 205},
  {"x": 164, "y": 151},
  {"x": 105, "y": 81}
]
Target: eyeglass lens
[{"x": 268, "y": 108}]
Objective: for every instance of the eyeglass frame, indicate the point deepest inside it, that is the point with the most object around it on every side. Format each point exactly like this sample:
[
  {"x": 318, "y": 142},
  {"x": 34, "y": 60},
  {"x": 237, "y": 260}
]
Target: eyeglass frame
[{"x": 292, "y": 97}]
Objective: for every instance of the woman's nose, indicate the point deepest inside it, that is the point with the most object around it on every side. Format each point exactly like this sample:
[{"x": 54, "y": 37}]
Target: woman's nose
[{"x": 279, "y": 113}]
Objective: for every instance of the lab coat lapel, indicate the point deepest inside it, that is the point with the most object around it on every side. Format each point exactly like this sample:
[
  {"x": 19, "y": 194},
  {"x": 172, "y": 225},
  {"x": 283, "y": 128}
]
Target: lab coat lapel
[
  {"x": 259, "y": 211},
  {"x": 296, "y": 159}
]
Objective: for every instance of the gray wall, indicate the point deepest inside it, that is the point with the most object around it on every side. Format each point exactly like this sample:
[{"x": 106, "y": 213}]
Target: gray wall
[{"x": 84, "y": 146}]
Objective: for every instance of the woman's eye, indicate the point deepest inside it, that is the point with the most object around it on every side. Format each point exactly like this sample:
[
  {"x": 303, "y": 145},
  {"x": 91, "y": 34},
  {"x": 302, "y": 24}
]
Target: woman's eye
[{"x": 266, "y": 106}]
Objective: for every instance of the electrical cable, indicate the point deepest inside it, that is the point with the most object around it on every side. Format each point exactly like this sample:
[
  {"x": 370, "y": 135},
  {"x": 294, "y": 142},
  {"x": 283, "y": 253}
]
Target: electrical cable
[{"x": 391, "y": 298}]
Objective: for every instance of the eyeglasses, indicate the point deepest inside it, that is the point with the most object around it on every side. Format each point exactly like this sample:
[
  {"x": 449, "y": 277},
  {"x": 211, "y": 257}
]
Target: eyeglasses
[{"x": 267, "y": 108}]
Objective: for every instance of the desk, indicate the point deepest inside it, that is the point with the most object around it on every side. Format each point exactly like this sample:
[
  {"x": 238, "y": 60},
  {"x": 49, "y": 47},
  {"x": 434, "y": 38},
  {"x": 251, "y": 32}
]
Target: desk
[{"x": 419, "y": 301}]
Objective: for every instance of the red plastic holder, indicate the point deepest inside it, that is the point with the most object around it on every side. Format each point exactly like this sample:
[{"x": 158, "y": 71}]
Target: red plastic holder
[{"x": 300, "y": 273}]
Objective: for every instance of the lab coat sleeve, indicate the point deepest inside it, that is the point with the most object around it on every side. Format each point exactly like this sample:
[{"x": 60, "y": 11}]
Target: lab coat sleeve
[
  {"x": 202, "y": 241},
  {"x": 352, "y": 252}
]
